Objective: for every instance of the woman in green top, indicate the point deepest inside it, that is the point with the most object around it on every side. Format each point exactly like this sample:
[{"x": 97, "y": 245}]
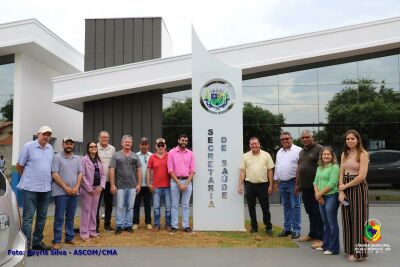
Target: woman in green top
[{"x": 326, "y": 193}]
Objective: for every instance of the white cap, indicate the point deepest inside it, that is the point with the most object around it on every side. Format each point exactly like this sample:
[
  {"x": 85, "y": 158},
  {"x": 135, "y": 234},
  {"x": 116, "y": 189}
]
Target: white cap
[
  {"x": 68, "y": 138},
  {"x": 44, "y": 129}
]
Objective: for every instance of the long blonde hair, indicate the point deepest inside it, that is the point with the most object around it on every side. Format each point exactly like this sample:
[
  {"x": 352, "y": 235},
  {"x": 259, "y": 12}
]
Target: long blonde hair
[{"x": 360, "y": 148}]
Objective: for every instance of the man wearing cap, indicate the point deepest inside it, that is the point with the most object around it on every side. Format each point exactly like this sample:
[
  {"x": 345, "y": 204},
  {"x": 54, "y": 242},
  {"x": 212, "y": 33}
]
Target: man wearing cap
[
  {"x": 34, "y": 166},
  {"x": 158, "y": 180},
  {"x": 106, "y": 151},
  {"x": 144, "y": 193},
  {"x": 67, "y": 175},
  {"x": 181, "y": 169}
]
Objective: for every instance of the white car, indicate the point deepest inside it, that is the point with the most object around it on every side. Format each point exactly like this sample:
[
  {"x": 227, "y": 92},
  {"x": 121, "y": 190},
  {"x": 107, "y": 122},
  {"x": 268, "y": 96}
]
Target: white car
[{"x": 12, "y": 240}]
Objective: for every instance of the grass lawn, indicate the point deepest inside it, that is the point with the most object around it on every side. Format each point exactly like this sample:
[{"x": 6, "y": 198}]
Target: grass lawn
[{"x": 164, "y": 239}]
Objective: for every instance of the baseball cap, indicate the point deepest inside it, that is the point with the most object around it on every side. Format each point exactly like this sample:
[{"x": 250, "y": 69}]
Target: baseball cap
[
  {"x": 160, "y": 140},
  {"x": 68, "y": 138},
  {"x": 144, "y": 140},
  {"x": 44, "y": 129}
]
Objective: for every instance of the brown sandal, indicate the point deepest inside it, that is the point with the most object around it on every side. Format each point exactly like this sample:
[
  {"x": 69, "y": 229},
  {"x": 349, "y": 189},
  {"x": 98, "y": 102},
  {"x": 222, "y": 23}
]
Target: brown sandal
[{"x": 354, "y": 259}]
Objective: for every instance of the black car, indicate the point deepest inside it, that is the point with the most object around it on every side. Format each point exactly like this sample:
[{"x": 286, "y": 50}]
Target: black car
[{"x": 384, "y": 167}]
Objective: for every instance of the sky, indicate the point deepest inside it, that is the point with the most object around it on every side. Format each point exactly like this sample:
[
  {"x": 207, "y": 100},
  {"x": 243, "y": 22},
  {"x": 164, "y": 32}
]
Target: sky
[{"x": 219, "y": 23}]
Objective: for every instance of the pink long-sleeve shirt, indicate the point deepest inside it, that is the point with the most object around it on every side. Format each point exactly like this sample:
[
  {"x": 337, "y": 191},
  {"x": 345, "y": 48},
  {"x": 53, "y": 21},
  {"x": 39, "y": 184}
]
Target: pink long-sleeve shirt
[
  {"x": 180, "y": 162},
  {"x": 88, "y": 174}
]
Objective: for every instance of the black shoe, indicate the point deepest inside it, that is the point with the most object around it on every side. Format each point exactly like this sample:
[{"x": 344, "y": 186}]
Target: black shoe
[
  {"x": 174, "y": 230},
  {"x": 42, "y": 246},
  {"x": 187, "y": 229},
  {"x": 128, "y": 229},
  {"x": 295, "y": 235},
  {"x": 254, "y": 230},
  {"x": 97, "y": 230},
  {"x": 269, "y": 232},
  {"x": 284, "y": 233},
  {"x": 108, "y": 228},
  {"x": 118, "y": 230}
]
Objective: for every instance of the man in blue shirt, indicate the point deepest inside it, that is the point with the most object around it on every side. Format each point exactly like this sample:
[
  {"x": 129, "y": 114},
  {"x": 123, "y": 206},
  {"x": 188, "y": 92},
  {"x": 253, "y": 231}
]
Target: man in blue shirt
[{"x": 34, "y": 165}]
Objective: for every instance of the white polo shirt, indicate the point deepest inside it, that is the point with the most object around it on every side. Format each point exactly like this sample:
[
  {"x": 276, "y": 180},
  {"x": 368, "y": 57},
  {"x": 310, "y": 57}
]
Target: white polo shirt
[
  {"x": 105, "y": 155},
  {"x": 286, "y": 163}
]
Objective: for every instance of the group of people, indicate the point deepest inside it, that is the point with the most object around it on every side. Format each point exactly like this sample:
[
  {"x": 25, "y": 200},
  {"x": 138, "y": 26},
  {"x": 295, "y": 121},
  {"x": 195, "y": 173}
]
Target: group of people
[
  {"x": 311, "y": 174},
  {"x": 103, "y": 173}
]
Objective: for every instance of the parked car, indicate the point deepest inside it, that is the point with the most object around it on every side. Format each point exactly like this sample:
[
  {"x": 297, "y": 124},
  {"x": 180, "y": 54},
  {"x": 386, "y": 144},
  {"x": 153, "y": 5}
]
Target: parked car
[
  {"x": 384, "y": 167},
  {"x": 12, "y": 240}
]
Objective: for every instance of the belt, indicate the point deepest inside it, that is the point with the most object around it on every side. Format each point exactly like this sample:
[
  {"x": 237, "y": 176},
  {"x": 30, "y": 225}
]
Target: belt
[
  {"x": 182, "y": 177},
  {"x": 286, "y": 181}
]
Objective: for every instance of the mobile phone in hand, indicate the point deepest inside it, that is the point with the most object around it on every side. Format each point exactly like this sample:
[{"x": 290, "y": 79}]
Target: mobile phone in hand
[{"x": 345, "y": 203}]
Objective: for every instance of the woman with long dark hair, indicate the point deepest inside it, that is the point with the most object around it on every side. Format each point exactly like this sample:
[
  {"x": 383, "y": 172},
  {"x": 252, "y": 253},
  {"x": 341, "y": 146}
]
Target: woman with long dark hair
[
  {"x": 93, "y": 183},
  {"x": 354, "y": 195}
]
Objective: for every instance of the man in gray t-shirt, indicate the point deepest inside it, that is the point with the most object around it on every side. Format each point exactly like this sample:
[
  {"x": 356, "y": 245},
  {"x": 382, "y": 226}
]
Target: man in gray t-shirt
[
  {"x": 67, "y": 176},
  {"x": 125, "y": 182}
]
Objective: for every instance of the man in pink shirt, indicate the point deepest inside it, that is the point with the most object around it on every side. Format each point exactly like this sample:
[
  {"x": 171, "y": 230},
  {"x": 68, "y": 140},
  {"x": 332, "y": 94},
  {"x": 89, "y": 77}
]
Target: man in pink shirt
[{"x": 181, "y": 170}]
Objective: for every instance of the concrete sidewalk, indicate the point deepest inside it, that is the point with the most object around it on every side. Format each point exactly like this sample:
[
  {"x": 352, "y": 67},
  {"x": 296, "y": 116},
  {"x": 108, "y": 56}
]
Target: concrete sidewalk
[{"x": 388, "y": 215}]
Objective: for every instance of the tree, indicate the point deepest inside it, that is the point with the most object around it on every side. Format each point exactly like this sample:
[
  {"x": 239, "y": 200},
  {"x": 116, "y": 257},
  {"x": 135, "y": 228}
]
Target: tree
[
  {"x": 177, "y": 119},
  {"x": 7, "y": 110},
  {"x": 257, "y": 122},
  {"x": 263, "y": 124},
  {"x": 374, "y": 112}
]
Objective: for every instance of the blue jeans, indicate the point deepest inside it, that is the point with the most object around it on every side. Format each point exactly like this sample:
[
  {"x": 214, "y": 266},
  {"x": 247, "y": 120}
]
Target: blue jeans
[
  {"x": 65, "y": 208},
  {"x": 39, "y": 202},
  {"x": 159, "y": 194},
  {"x": 175, "y": 195},
  {"x": 125, "y": 203},
  {"x": 291, "y": 206},
  {"x": 331, "y": 228}
]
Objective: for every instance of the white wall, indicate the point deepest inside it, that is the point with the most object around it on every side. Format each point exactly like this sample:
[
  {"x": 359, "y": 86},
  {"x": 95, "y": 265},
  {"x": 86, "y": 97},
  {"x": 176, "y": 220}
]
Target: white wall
[
  {"x": 33, "y": 107},
  {"x": 166, "y": 42}
]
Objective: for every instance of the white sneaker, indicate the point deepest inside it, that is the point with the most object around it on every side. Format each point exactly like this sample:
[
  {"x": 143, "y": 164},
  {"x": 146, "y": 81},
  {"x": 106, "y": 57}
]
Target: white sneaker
[
  {"x": 327, "y": 252},
  {"x": 149, "y": 227},
  {"x": 319, "y": 249},
  {"x": 135, "y": 226}
]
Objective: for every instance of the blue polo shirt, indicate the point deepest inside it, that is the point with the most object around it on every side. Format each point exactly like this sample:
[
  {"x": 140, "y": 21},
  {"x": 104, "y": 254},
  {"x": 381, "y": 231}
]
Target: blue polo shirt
[{"x": 37, "y": 167}]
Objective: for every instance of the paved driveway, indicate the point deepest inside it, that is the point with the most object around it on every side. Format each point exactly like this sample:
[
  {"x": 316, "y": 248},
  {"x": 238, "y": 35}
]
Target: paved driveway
[{"x": 389, "y": 215}]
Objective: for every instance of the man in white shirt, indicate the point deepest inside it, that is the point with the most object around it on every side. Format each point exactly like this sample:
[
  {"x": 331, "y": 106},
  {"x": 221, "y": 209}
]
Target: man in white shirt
[
  {"x": 106, "y": 151},
  {"x": 285, "y": 176}
]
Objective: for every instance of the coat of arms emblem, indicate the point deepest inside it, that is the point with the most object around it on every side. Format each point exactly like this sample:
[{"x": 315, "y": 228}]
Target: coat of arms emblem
[{"x": 217, "y": 96}]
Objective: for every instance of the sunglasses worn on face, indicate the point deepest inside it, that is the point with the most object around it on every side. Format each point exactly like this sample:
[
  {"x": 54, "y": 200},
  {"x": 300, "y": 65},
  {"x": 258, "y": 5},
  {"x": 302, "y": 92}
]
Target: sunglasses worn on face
[
  {"x": 92, "y": 146},
  {"x": 161, "y": 145}
]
